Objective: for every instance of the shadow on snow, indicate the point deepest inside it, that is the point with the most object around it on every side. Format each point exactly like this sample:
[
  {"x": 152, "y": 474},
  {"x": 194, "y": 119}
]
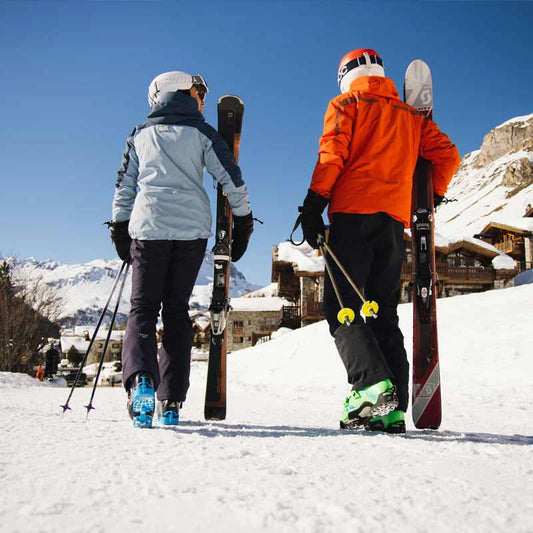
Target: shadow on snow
[{"x": 220, "y": 429}]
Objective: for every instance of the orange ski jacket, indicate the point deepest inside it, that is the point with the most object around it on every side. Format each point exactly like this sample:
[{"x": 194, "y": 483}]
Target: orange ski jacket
[{"x": 369, "y": 148}]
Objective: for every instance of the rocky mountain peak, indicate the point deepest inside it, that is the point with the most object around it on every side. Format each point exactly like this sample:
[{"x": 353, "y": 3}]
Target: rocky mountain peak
[
  {"x": 510, "y": 137},
  {"x": 494, "y": 183}
]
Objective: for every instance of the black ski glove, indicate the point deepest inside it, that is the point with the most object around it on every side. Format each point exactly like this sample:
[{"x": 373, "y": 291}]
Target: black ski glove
[
  {"x": 437, "y": 199},
  {"x": 121, "y": 238},
  {"x": 312, "y": 223},
  {"x": 243, "y": 227}
]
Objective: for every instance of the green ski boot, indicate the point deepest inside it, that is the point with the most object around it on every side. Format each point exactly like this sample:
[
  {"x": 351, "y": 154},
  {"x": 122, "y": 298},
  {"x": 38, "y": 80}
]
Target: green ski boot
[
  {"x": 394, "y": 422},
  {"x": 374, "y": 401}
]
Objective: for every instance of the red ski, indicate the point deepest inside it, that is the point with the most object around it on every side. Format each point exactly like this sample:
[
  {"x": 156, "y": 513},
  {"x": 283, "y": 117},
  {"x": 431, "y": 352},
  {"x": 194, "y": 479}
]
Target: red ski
[{"x": 426, "y": 408}]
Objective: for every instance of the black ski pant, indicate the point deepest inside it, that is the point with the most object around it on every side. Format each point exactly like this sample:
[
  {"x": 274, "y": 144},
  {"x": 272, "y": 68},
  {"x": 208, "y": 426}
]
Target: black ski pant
[
  {"x": 371, "y": 248},
  {"x": 164, "y": 272}
]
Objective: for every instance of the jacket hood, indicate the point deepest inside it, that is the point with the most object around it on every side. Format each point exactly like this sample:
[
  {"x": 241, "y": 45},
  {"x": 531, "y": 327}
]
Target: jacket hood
[
  {"x": 176, "y": 105},
  {"x": 375, "y": 85}
]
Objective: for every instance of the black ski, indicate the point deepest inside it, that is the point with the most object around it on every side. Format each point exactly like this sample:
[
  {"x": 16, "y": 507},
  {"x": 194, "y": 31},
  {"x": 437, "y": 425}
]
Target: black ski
[{"x": 230, "y": 113}]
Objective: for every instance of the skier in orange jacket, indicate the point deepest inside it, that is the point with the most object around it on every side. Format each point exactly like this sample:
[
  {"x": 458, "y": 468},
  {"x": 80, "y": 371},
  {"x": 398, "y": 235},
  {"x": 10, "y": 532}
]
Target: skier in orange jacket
[{"x": 367, "y": 156}]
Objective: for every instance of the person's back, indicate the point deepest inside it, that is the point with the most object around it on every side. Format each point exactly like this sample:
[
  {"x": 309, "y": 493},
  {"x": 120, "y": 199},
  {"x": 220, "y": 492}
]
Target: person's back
[
  {"x": 161, "y": 223},
  {"x": 370, "y": 146},
  {"x": 368, "y": 152},
  {"x": 165, "y": 159}
]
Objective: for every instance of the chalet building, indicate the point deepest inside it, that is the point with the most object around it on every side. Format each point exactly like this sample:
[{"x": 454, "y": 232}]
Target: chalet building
[
  {"x": 253, "y": 320},
  {"x": 201, "y": 327},
  {"x": 463, "y": 267},
  {"x": 515, "y": 240},
  {"x": 80, "y": 337},
  {"x": 299, "y": 273}
]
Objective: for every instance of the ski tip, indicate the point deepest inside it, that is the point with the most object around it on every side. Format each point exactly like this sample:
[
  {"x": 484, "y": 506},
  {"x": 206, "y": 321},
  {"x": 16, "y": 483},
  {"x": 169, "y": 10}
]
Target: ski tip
[
  {"x": 419, "y": 62},
  {"x": 418, "y": 70},
  {"x": 230, "y": 98}
]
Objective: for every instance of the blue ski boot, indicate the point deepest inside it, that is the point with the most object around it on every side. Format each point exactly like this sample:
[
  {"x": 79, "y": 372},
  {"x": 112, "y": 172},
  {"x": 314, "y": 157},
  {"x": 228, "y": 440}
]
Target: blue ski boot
[
  {"x": 141, "y": 401},
  {"x": 168, "y": 412}
]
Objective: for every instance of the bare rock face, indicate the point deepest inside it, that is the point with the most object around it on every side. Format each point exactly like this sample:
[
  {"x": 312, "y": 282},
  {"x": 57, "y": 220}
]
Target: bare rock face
[
  {"x": 518, "y": 175},
  {"x": 513, "y": 136}
]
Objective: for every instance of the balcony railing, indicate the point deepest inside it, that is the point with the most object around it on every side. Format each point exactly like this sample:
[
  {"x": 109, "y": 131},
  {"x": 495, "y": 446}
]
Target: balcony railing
[
  {"x": 511, "y": 246},
  {"x": 290, "y": 312},
  {"x": 463, "y": 274},
  {"x": 505, "y": 246}
]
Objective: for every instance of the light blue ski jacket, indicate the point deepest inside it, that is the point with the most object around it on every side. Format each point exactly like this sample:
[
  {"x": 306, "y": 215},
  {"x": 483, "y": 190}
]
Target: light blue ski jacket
[{"x": 160, "y": 185}]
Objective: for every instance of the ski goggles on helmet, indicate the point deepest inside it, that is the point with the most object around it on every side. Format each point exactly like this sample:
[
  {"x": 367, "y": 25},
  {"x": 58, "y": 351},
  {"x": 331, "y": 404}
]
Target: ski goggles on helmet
[
  {"x": 201, "y": 86},
  {"x": 358, "y": 62}
]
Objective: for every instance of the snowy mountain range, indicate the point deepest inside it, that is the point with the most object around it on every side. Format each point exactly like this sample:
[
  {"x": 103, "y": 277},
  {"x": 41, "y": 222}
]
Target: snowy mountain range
[
  {"x": 493, "y": 184},
  {"x": 84, "y": 288}
]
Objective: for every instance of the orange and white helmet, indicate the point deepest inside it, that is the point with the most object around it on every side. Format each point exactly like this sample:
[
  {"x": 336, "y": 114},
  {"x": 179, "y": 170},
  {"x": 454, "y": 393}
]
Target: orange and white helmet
[{"x": 358, "y": 63}]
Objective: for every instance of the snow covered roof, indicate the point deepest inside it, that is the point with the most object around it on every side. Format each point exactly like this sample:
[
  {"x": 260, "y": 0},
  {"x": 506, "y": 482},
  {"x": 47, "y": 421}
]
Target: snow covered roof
[
  {"x": 268, "y": 303},
  {"x": 269, "y": 290},
  {"x": 303, "y": 258},
  {"x": 79, "y": 343},
  {"x": 82, "y": 331},
  {"x": 511, "y": 223}
]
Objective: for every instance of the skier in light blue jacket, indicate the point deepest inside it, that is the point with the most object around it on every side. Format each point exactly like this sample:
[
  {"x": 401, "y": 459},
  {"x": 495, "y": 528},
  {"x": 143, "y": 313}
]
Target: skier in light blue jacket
[{"x": 161, "y": 222}]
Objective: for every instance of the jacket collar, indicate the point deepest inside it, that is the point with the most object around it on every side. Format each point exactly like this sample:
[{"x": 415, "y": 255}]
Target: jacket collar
[
  {"x": 375, "y": 85},
  {"x": 178, "y": 106}
]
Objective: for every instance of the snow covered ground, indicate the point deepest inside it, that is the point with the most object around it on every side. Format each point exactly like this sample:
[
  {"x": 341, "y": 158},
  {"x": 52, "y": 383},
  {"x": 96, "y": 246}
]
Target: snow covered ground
[{"x": 279, "y": 463}]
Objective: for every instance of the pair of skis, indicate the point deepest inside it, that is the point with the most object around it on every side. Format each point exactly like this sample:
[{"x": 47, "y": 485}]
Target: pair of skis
[{"x": 426, "y": 407}]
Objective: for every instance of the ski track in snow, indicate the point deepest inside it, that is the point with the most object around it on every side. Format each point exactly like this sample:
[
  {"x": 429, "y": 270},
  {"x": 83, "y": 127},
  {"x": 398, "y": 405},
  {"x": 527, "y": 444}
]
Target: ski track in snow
[{"x": 279, "y": 463}]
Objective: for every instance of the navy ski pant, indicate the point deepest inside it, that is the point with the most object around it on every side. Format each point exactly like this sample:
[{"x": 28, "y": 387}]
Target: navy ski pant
[
  {"x": 371, "y": 249},
  {"x": 164, "y": 273}
]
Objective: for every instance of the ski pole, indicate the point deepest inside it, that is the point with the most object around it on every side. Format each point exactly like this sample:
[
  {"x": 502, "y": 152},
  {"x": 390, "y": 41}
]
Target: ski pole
[
  {"x": 346, "y": 315},
  {"x": 84, "y": 360},
  {"x": 89, "y": 407},
  {"x": 369, "y": 308}
]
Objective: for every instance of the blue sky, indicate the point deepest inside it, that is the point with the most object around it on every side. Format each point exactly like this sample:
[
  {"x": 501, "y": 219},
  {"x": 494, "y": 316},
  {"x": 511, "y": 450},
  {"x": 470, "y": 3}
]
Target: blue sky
[{"x": 74, "y": 77}]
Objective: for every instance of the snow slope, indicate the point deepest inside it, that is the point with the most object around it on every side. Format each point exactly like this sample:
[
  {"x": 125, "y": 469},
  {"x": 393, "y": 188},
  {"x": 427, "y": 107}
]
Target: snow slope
[{"x": 279, "y": 463}]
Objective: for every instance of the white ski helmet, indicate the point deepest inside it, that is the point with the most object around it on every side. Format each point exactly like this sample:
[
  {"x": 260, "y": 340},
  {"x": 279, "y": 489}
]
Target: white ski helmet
[
  {"x": 358, "y": 63},
  {"x": 170, "y": 82}
]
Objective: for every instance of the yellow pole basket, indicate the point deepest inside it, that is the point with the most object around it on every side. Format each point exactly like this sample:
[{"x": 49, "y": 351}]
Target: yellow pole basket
[
  {"x": 370, "y": 308},
  {"x": 346, "y": 315}
]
